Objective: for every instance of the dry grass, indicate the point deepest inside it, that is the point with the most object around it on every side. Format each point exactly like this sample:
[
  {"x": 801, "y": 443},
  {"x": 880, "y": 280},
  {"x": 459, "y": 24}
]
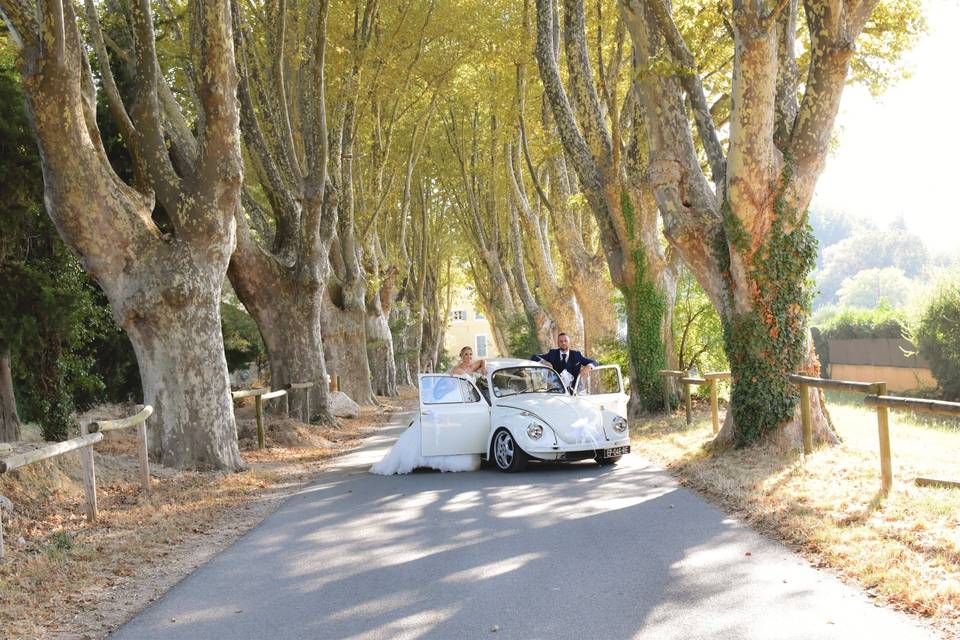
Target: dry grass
[
  {"x": 904, "y": 550},
  {"x": 59, "y": 569}
]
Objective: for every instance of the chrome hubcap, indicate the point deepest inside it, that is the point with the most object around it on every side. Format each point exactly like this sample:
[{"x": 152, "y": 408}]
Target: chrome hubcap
[{"x": 503, "y": 449}]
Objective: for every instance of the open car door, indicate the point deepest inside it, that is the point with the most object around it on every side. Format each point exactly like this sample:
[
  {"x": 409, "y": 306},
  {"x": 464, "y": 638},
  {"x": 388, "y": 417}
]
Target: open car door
[
  {"x": 603, "y": 387},
  {"x": 454, "y": 419}
]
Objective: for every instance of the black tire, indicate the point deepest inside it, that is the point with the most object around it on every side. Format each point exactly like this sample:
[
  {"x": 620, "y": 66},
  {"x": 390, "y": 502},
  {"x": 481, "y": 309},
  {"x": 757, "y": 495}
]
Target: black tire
[
  {"x": 606, "y": 462},
  {"x": 506, "y": 454}
]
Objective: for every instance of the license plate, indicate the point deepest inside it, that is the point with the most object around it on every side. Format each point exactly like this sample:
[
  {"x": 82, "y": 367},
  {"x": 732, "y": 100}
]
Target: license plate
[{"x": 616, "y": 452}]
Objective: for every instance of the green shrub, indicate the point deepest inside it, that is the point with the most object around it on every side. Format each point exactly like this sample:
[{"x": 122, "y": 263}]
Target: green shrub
[
  {"x": 852, "y": 322},
  {"x": 610, "y": 351},
  {"x": 241, "y": 337},
  {"x": 937, "y": 337},
  {"x": 521, "y": 339},
  {"x": 697, "y": 329}
]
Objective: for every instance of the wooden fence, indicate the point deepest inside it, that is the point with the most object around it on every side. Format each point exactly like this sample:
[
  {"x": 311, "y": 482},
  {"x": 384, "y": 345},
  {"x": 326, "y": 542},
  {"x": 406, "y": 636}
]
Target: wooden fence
[
  {"x": 260, "y": 395},
  {"x": 687, "y": 381},
  {"x": 92, "y": 433},
  {"x": 875, "y": 396}
]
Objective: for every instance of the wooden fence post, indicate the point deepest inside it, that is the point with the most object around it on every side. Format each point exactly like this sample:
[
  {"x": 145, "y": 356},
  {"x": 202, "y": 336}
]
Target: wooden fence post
[
  {"x": 306, "y": 418},
  {"x": 686, "y": 398},
  {"x": 666, "y": 394},
  {"x": 144, "y": 457},
  {"x": 805, "y": 420},
  {"x": 258, "y": 403},
  {"x": 883, "y": 429},
  {"x": 89, "y": 477},
  {"x": 1, "y": 533},
  {"x": 714, "y": 409}
]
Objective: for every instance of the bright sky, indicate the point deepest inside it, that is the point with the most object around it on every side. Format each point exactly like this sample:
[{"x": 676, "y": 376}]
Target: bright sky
[{"x": 898, "y": 154}]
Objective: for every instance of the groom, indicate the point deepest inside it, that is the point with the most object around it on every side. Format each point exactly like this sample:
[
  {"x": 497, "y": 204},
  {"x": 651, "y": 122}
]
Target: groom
[{"x": 566, "y": 359}]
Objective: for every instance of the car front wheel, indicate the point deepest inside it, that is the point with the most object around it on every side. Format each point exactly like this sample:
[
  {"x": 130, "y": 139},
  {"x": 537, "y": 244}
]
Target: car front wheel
[{"x": 507, "y": 454}]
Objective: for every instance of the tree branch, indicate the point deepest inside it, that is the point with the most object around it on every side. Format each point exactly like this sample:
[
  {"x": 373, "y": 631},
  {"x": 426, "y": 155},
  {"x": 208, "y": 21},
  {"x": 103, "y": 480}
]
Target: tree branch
[
  {"x": 690, "y": 79},
  {"x": 21, "y": 21},
  {"x": 833, "y": 32},
  {"x": 586, "y": 102},
  {"x": 220, "y": 160},
  {"x": 287, "y": 131},
  {"x": 117, "y": 110},
  {"x": 145, "y": 113}
]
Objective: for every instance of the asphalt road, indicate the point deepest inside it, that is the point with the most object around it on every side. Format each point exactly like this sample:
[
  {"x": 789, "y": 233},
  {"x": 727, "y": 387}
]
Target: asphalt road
[{"x": 560, "y": 551}]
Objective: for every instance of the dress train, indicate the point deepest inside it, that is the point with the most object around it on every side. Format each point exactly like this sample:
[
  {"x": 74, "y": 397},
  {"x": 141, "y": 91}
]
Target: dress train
[{"x": 405, "y": 456}]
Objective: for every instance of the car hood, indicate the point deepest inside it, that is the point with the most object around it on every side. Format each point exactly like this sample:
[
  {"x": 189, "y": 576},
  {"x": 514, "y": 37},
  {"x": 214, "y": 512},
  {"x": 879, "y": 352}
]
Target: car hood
[{"x": 575, "y": 421}]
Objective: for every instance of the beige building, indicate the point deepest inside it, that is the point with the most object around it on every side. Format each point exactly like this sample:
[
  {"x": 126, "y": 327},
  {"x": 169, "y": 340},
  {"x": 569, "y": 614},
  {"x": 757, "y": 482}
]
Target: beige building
[{"x": 468, "y": 327}]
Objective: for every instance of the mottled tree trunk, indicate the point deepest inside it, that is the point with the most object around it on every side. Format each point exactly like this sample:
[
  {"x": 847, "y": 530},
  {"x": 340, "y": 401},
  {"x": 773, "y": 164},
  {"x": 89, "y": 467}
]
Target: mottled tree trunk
[
  {"x": 287, "y": 312},
  {"x": 383, "y": 366},
  {"x": 402, "y": 343},
  {"x": 745, "y": 237},
  {"x": 164, "y": 289},
  {"x": 345, "y": 341},
  {"x": 617, "y": 192},
  {"x": 9, "y": 420},
  {"x": 594, "y": 294},
  {"x": 280, "y": 274},
  {"x": 175, "y": 332},
  {"x": 295, "y": 349}
]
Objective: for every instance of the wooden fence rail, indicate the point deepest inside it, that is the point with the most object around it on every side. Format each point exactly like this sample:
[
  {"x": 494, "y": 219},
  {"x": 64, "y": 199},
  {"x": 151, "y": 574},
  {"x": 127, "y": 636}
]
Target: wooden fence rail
[
  {"x": 876, "y": 397},
  {"x": 883, "y": 419},
  {"x": 90, "y": 434},
  {"x": 299, "y": 386},
  {"x": 140, "y": 422},
  {"x": 261, "y": 395},
  {"x": 708, "y": 378},
  {"x": 86, "y": 456}
]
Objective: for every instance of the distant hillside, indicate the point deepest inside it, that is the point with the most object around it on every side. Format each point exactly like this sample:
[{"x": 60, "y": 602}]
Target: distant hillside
[{"x": 860, "y": 263}]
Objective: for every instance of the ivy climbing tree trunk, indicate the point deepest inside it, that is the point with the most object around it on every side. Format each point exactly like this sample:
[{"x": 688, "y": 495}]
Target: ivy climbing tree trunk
[
  {"x": 620, "y": 199},
  {"x": 746, "y": 238},
  {"x": 164, "y": 288},
  {"x": 9, "y": 420}
]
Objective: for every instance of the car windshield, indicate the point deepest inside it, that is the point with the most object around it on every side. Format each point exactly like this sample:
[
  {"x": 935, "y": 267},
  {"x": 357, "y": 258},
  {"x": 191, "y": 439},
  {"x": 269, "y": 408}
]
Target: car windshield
[{"x": 517, "y": 380}]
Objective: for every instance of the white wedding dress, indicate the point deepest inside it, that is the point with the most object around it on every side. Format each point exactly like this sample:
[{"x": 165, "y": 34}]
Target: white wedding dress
[{"x": 405, "y": 456}]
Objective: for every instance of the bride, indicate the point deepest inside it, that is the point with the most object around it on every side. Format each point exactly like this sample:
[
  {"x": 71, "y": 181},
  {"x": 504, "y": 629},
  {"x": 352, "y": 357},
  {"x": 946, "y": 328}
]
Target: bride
[{"x": 405, "y": 455}]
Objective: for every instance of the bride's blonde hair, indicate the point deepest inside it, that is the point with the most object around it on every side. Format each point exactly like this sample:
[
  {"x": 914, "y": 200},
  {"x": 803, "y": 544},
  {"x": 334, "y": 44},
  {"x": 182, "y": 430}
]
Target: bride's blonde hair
[{"x": 463, "y": 350}]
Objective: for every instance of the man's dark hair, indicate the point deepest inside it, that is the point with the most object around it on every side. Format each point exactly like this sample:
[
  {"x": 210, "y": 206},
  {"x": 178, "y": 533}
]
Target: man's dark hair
[{"x": 561, "y": 334}]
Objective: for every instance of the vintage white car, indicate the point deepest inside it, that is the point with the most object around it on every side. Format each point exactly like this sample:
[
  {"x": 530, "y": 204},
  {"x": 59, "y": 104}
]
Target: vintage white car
[{"x": 521, "y": 410}]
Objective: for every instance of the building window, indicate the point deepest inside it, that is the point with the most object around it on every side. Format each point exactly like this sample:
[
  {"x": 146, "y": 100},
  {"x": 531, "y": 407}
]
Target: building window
[
  {"x": 459, "y": 315},
  {"x": 481, "y": 346},
  {"x": 478, "y": 316}
]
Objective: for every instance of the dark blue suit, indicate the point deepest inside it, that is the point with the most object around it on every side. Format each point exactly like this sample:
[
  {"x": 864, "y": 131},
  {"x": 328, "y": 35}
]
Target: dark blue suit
[{"x": 575, "y": 361}]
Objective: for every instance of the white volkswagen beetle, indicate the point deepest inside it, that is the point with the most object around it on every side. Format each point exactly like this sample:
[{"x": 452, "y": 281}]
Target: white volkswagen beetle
[{"x": 521, "y": 410}]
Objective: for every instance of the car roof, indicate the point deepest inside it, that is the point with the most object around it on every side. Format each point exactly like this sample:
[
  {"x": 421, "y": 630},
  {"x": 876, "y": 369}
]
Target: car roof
[{"x": 501, "y": 363}]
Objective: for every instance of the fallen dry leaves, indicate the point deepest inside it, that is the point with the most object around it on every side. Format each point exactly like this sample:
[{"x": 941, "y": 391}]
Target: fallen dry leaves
[
  {"x": 63, "y": 577},
  {"x": 903, "y": 550}
]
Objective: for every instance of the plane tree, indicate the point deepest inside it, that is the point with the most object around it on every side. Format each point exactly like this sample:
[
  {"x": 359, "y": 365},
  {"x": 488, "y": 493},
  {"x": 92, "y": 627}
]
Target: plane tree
[{"x": 163, "y": 286}]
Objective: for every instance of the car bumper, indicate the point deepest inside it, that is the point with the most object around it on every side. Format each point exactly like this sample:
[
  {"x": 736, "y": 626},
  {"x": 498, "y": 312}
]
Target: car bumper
[{"x": 574, "y": 452}]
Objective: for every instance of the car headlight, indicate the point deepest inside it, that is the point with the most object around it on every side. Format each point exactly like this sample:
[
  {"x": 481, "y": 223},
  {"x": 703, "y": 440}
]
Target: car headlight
[
  {"x": 534, "y": 430},
  {"x": 619, "y": 424}
]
